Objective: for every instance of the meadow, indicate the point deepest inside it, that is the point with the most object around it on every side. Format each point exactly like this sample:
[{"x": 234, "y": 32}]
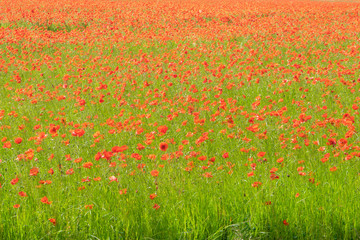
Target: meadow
[{"x": 171, "y": 119}]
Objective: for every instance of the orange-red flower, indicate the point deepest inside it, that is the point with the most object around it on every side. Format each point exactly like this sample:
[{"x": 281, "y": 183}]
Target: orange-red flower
[
  {"x": 22, "y": 194},
  {"x": 78, "y": 132},
  {"x": 123, "y": 191},
  {"x": 7, "y": 144},
  {"x": 53, "y": 221},
  {"x": 87, "y": 165},
  {"x": 70, "y": 171},
  {"x": 51, "y": 171},
  {"x": 261, "y": 154},
  {"x": 256, "y": 184},
  {"x": 14, "y": 181},
  {"x": 117, "y": 149},
  {"x": 162, "y": 129},
  {"x": 34, "y": 171},
  {"x": 154, "y": 173},
  {"x": 45, "y": 200},
  {"x": 163, "y": 146},
  {"x": 333, "y": 169},
  {"x": 113, "y": 179}
]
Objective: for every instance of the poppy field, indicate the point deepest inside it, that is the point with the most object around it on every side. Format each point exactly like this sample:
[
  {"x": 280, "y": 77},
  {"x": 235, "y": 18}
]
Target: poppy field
[{"x": 192, "y": 119}]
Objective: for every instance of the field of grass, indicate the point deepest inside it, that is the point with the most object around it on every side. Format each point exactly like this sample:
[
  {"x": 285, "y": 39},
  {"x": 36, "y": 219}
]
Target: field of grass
[{"x": 179, "y": 119}]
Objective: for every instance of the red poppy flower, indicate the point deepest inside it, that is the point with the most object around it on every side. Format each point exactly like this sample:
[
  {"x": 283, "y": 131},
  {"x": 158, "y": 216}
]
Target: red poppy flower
[
  {"x": 34, "y": 171},
  {"x": 53, "y": 221},
  {"x": 51, "y": 171},
  {"x": 154, "y": 173},
  {"x": 45, "y": 200},
  {"x": 163, "y": 146},
  {"x": 162, "y": 129},
  {"x": 78, "y": 132},
  {"x": 123, "y": 191},
  {"x": 333, "y": 169},
  {"x": 7, "y": 144},
  {"x": 89, "y": 206},
  {"x": 88, "y": 165},
  {"x": 70, "y": 171},
  {"x": 113, "y": 179},
  {"x": 117, "y": 149},
  {"x": 14, "y": 181},
  {"x": 22, "y": 194},
  {"x": 261, "y": 154}
]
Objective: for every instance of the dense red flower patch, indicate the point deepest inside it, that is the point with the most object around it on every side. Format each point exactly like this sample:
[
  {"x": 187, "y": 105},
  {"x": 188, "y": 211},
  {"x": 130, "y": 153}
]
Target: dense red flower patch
[{"x": 151, "y": 99}]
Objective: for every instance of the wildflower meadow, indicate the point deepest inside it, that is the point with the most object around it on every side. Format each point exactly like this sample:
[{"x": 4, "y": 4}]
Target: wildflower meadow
[{"x": 169, "y": 119}]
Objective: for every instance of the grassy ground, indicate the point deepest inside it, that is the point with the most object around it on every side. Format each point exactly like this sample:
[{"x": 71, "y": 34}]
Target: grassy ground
[{"x": 179, "y": 120}]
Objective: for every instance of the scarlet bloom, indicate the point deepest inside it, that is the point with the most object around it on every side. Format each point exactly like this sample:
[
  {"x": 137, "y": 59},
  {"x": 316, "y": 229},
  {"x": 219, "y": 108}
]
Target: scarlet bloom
[
  {"x": 261, "y": 154},
  {"x": 87, "y": 165},
  {"x": 87, "y": 179},
  {"x": 202, "y": 158},
  {"x": 16, "y": 206},
  {"x": 53, "y": 129},
  {"x": 342, "y": 142},
  {"x": 152, "y": 196},
  {"x": 78, "y": 132},
  {"x": 53, "y": 221},
  {"x": 34, "y": 171},
  {"x": 333, "y": 169},
  {"x": 156, "y": 206},
  {"x": 274, "y": 176},
  {"x": 18, "y": 140},
  {"x": 51, "y": 171},
  {"x": 136, "y": 156},
  {"x": 117, "y": 149},
  {"x": 14, "y": 181},
  {"x": 162, "y": 129},
  {"x": 45, "y": 200},
  {"x": 22, "y": 194},
  {"x": 70, "y": 171},
  {"x": 7, "y": 144},
  {"x": 256, "y": 184},
  {"x": 163, "y": 146},
  {"x": 140, "y": 146},
  {"x": 331, "y": 141},
  {"x": 89, "y": 206},
  {"x": 225, "y": 155},
  {"x": 123, "y": 191},
  {"x": 113, "y": 179},
  {"x": 285, "y": 223},
  {"x": 208, "y": 175},
  {"x": 154, "y": 173}
]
